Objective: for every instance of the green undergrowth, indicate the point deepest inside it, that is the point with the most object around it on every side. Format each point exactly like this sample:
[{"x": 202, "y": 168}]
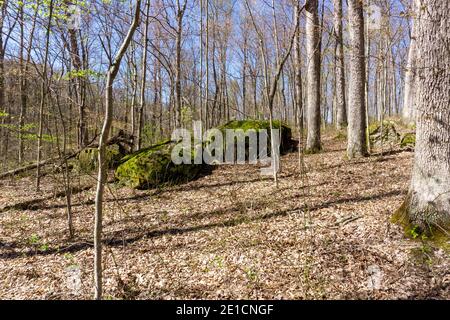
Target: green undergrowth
[{"x": 429, "y": 235}]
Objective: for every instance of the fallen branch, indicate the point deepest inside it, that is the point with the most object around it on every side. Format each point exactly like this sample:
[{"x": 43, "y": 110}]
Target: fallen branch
[{"x": 120, "y": 139}]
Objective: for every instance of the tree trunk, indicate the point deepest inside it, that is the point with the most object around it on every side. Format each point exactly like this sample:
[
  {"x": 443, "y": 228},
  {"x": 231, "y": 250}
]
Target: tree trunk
[
  {"x": 180, "y": 15},
  {"x": 44, "y": 85},
  {"x": 102, "y": 167},
  {"x": 313, "y": 144},
  {"x": 140, "y": 123},
  {"x": 298, "y": 75},
  {"x": 79, "y": 83},
  {"x": 357, "y": 143},
  {"x": 410, "y": 77},
  {"x": 428, "y": 202},
  {"x": 341, "y": 112}
]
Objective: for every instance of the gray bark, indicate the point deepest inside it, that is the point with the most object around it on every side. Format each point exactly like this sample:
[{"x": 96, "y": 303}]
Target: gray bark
[
  {"x": 313, "y": 76},
  {"x": 341, "y": 112},
  {"x": 429, "y": 195},
  {"x": 357, "y": 142},
  {"x": 410, "y": 80}
]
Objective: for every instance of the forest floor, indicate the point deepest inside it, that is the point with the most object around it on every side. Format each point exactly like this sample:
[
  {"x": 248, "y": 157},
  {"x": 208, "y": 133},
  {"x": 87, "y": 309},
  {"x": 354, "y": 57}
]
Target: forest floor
[{"x": 229, "y": 235}]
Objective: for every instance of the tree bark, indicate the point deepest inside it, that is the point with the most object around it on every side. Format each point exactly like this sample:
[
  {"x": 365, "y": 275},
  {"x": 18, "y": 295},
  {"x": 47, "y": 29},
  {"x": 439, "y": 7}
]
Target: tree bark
[
  {"x": 341, "y": 112},
  {"x": 410, "y": 79},
  {"x": 357, "y": 143},
  {"x": 44, "y": 85},
  {"x": 428, "y": 202},
  {"x": 180, "y": 14},
  {"x": 144, "y": 78},
  {"x": 313, "y": 143}
]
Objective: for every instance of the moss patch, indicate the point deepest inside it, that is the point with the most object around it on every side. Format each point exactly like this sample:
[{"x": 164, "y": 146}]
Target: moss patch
[
  {"x": 87, "y": 160},
  {"x": 340, "y": 136},
  {"x": 153, "y": 166},
  {"x": 408, "y": 141},
  {"x": 429, "y": 235},
  {"x": 385, "y": 133},
  {"x": 287, "y": 144}
]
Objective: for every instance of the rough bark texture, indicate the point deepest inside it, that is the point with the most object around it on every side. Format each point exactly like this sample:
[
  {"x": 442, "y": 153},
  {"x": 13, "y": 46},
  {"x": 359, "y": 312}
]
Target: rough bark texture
[
  {"x": 410, "y": 79},
  {"x": 341, "y": 112},
  {"x": 298, "y": 73},
  {"x": 313, "y": 76},
  {"x": 429, "y": 196},
  {"x": 179, "y": 35},
  {"x": 357, "y": 141}
]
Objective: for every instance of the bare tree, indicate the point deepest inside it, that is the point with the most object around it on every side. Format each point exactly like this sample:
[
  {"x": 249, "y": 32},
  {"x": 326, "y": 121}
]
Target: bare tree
[
  {"x": 144, "y": 76},
  {"x": 428, "y": 202},
  {"x": 313, "y": 59},
  {"x": 102, "y": 161},
  {"x": 341, "y": 112},
  {"x": 43, "y": 95},
  {"x": 181, "y": 9},
  {"x": 410, "y": 78},
  {"x": 357, "y": 143}
]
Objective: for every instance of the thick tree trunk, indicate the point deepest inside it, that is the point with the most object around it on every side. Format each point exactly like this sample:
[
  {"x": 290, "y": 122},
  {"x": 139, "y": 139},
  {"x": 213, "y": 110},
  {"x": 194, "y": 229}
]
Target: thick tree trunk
[
  {"x": 313, "y": 144},
  {"x": 341, "y": 112},
  {"x": 428, "y": 202},
  {"x": 357, "y": 143}
]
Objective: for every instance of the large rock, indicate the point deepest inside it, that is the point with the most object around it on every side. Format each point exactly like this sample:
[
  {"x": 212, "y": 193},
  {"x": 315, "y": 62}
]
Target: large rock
[
  {"x": 385, "y": 133},
  {"x": 153, "y": 166},
  {"x": 287, "y": 144},
  {"x": 87, "y": 160},
  {"x": 408, "y": 141}
]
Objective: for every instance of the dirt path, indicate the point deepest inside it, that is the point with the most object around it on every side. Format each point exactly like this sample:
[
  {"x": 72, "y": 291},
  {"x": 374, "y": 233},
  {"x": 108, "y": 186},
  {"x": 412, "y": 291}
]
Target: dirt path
[{"x": 228, "y": 235}]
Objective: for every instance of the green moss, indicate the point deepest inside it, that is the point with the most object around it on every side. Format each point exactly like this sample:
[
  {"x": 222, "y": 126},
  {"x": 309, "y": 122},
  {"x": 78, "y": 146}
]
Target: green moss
[
  {"x": 385, "y": 132},
  {"x": 312, "y": 150},
  {"x": 286, "y": 142},
  {"x": 88, "y": 158},
  {"x": 429, "y": 235},
  {"x": 341, "y": 136},
  {"x": 373, "y": 126},
  {"x": 153, "y": 166},
  {"x": 408, "y": 140}
]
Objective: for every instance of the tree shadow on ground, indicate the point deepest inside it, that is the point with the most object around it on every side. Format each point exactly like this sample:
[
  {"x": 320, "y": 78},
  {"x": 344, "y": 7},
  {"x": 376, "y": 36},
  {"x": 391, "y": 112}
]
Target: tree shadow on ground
[
  {"x": 117, "y": 239},
  {"x": 34, "y": 204}
]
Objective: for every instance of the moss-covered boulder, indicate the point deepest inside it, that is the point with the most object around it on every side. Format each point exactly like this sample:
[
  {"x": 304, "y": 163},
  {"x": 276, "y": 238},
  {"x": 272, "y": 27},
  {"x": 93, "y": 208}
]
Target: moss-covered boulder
[
  {"x": 153, "y": 166},
  {"x": 87, "y": 159},
  {"x": 287, "y": 144},
  {"x": 385, "y": 133},
  {"x": 408, "y": 141}
]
